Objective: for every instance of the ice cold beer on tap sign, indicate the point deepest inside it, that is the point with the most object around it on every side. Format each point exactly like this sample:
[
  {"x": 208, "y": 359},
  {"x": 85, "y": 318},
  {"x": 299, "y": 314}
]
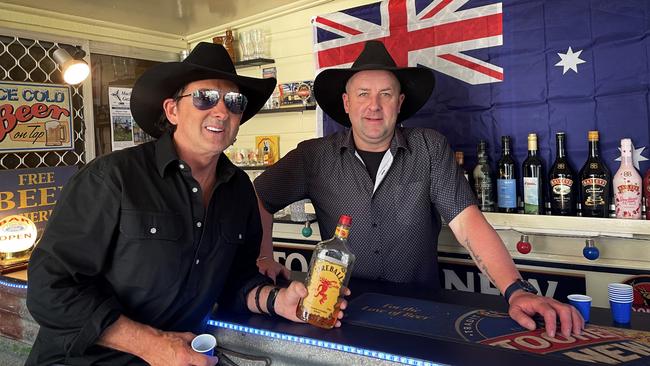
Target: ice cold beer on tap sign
[{"x": 35, "y": 117}]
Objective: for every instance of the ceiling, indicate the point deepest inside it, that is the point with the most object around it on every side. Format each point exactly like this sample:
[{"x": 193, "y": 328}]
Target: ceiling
[{"x": 182, "y": 17}]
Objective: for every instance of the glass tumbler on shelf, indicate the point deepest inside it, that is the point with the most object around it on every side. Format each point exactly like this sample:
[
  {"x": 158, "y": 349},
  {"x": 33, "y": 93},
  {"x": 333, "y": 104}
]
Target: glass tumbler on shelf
[
  {"x": 258, "y": 43},
  {"x": 245, "y": 44}
]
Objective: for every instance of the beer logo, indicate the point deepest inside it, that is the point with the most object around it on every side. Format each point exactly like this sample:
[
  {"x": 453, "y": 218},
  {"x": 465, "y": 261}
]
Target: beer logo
[{"x": 641, "y": 286}]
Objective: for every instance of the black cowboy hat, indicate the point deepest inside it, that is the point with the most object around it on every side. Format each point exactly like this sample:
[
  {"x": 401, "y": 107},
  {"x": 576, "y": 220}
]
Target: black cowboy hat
[
  {"x": 206, "y": 61},
  {"x": 416, "y": 83}
]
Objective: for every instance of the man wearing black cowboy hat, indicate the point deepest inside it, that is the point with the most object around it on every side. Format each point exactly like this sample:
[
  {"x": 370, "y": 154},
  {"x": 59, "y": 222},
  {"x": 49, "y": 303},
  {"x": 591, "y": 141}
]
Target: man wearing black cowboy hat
[
  {"x": 144, "y": 241},
  {"x": 396, "y": 183}
]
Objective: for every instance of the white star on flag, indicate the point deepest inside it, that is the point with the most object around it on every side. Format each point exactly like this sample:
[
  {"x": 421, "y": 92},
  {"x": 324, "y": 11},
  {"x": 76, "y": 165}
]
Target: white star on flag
[
  {"x": 636, "y": 157},
  {"x": 570, "y": 60}
]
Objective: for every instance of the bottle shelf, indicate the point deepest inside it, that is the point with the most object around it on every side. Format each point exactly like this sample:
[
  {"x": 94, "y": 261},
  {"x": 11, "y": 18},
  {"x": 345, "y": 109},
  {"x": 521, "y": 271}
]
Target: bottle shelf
[
  {"x": 289, "y": 109},
  {"x": 570, "y": 225},
  {"x": 254, "y": 62}
]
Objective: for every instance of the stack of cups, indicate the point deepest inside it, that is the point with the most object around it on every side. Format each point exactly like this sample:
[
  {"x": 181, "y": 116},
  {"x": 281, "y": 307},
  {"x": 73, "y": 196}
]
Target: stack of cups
[{"x": 620, "y": 301}]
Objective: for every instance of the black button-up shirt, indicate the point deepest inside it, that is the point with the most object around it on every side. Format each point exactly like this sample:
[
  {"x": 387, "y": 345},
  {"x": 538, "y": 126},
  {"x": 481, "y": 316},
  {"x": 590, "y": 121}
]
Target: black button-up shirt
[
  {"x": 130, "y": 235},
  {"x": 395, "y": 227}
]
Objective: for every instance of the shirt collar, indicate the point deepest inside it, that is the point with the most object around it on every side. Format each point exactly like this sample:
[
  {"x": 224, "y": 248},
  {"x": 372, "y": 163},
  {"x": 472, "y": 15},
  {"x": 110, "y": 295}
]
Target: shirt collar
[
  {"x": 166, "y": 154},
  {"x": 398, "y": 142}
]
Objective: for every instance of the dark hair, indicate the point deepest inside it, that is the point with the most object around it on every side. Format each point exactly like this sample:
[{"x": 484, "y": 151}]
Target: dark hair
[{"x": 163, "y": 123}]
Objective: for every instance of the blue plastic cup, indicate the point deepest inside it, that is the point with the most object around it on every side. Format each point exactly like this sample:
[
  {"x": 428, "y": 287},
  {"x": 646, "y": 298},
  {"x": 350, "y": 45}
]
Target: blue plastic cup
[
  {"x": 204, "y": 343},
  {"x": 582, "y": 303},
  {"x": 621, "y": 311}
]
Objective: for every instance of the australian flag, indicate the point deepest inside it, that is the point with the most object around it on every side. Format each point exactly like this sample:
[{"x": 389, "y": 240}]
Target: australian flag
[{"x": 513, "y": 67}]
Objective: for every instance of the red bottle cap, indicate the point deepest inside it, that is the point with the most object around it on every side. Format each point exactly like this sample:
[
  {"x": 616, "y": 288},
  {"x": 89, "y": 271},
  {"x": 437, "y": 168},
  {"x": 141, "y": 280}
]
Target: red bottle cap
[{"x": 345, "y": 220}]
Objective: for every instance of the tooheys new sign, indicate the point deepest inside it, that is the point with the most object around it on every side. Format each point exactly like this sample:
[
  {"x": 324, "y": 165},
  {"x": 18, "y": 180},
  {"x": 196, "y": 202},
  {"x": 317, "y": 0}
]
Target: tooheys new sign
[{"x": 35, "y": 117}]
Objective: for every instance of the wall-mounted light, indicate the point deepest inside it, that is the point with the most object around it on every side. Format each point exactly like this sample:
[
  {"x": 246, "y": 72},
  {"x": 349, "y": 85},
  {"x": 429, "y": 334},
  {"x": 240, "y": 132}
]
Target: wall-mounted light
[{"x": 74, "y": 69}]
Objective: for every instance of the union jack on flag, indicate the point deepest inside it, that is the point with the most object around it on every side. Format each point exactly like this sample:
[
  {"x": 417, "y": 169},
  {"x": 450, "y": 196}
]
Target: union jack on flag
[
  {"x": 512, "y": 67},
  {"x": 434, "y": 34}
]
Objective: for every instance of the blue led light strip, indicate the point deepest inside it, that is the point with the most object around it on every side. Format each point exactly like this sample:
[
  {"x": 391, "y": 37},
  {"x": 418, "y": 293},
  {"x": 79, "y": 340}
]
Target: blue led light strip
[
  {"x": 323, "y": 344},
  {"x": 13, "y": 285}
]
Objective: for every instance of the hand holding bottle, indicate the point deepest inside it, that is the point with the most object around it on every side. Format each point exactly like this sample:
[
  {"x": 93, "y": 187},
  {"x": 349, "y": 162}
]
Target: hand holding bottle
[{"x": 288, "y": 299}]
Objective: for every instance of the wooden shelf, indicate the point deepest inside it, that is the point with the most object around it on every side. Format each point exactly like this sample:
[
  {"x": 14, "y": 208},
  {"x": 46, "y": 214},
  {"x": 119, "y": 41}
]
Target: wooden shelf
[
  {"x": 298, "y": 108},
  {"x": 569, "y": 225},
  {"x": 254, "y": 62}
]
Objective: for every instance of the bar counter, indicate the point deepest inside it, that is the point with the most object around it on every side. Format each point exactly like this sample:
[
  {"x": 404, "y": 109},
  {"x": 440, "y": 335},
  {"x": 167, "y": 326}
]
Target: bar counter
[{"x": 288, "y": 343}]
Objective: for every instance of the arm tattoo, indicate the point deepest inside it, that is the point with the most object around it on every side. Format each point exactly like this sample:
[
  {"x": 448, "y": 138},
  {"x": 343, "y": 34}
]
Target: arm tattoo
[{"x": 479, "y": 261}]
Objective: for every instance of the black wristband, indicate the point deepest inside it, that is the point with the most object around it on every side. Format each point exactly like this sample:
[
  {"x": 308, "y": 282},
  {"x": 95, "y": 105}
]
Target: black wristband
[
  {"x": 257, "y": 298},
  {"x": 270, "y": 301}
]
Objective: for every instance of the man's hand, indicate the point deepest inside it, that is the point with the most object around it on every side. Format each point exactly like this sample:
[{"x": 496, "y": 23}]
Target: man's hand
[
  {"x": 173, "y": 349},
  {"x": 524, "y": 305},
  {"x": 287, "y": 302},
  {"x": 270, "y": 268}
]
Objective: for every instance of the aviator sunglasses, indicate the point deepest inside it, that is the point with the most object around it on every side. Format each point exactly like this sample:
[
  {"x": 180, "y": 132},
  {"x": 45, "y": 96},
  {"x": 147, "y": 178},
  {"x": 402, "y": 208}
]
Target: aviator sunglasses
[{"x": 205, "y": 99}]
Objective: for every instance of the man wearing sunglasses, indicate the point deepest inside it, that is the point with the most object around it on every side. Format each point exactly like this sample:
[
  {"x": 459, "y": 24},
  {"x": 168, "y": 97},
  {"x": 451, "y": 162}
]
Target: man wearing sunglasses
[{"x": 144, "y": 241}]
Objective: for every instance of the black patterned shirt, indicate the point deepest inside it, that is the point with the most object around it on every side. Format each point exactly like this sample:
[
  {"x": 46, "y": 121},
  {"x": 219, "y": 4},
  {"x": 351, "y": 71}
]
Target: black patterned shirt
[{"x": 395, "y": 220}]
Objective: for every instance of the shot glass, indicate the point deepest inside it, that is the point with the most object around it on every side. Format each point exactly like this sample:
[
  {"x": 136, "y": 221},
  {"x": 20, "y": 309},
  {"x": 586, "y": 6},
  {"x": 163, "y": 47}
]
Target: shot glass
[
  {"x": 204, "y": 343},
  {"x": 582, "y": 303}
]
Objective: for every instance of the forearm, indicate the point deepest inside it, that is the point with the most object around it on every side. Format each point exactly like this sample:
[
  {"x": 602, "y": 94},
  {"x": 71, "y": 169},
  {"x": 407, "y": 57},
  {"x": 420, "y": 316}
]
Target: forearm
[
  {"x": 485, "y": 247},
  {"x": 131, "y": 337},
  {"x": 266, "y": 247}
]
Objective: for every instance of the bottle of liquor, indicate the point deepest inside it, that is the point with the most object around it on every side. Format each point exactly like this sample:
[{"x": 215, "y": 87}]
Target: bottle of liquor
[
  {"x": 533, "y": 172},
  {"x": 329, "y": 272},
  {"x": 460, "y": 160},
  {"x": 595, "y": 181},
  {"x": 483, "y": 180},
  {"x": 507, "y": 180},
  {"x": 627, "y": 185},
  {"x": 646, "y": 193},
  {"x": 563, "y": 196}
]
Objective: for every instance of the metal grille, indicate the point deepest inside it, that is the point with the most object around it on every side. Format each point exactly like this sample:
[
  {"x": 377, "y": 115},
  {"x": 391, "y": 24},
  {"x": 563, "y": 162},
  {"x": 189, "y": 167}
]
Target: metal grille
[{"x": 23, "y": 59}]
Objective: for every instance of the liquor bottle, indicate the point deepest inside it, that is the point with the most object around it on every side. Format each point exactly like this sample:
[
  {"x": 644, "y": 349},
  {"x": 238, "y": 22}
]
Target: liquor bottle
[
  {"x": 646, "y": 193},
  {"x": 562, "y": 192},
  {"x": 483, "y": 180},
  {"x": 460, "y": 160},
  {"x": 627, "y": 185},
  {"x": 507, "y": 180},
  {"x": 595, "y": 181},
  {"x": 533, "y": 172},
  {"x": 329, "y": 272}
]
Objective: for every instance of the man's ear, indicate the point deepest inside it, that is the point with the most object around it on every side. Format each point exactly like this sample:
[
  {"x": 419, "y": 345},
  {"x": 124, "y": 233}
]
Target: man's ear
[
  {"x": 170, "y": 106},
  {"x": 346, "y": 102}
]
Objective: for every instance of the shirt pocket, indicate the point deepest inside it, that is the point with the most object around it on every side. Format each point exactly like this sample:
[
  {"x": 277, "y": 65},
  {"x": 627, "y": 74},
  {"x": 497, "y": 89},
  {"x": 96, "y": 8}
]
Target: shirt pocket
[
  {"x": 233, "y": 232},
  {"x": 143, "y": 225}
]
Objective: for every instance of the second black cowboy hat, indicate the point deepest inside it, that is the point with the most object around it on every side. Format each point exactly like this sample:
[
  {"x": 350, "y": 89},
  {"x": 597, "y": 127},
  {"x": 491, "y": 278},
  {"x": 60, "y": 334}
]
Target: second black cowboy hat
[
  {"x": 416, "y": 83},
  {"x": 206, "y": 61}
]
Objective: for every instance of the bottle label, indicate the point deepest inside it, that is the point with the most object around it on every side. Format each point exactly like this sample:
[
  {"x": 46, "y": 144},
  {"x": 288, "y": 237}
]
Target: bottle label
[
  {"x": 483, "y": 188},
  {"x": 561, "y": 192},
  {"x": 594, "y": 192},
  {"x": 531, "y": 195},
  {"x": 507, "y": 191},
  {"x": 323, "y": 288},
  {"x": 342, "y": 231},
  {"x": 627, "y": 200}
]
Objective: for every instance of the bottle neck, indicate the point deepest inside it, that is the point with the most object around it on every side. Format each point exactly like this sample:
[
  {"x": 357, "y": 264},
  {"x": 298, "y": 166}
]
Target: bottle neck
[
  {"x": 342, "y": 232},
  {"x": 506, "y": 149},
  {"x": 593, "y": 149},
  {"x": 626, "y": 159},
  {"x": 561, "y": 152}
]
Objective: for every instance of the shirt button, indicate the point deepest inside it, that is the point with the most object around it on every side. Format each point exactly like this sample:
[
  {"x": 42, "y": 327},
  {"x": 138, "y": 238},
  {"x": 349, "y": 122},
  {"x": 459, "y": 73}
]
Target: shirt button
[
  {"x": 153, "y": 230},
  {"x": 182, "y": 166},
  {"x": 240, "y": 236},
  {"x": 197, "y": 261},
  {"x": 374, "y": 224},
  {"x": 198, "y": 224},
  {"x": 376, "y": 251},
  {"x": 194, "y": 189}
]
